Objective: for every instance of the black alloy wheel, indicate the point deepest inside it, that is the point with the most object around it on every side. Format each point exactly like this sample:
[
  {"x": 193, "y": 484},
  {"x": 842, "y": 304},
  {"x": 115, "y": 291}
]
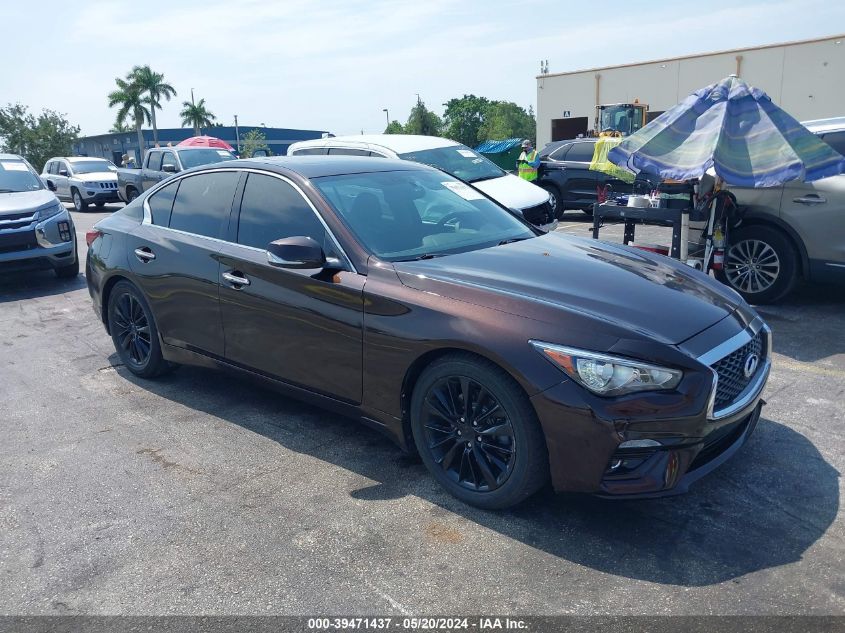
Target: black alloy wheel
[
  {"x": 477, "y": 433},
  {"x": 469, "y": 434},
  {"x": 134, "y": 333}
]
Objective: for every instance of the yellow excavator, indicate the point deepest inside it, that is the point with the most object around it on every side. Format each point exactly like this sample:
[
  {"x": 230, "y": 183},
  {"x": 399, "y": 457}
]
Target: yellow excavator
[{"x": 620, "y": 119}]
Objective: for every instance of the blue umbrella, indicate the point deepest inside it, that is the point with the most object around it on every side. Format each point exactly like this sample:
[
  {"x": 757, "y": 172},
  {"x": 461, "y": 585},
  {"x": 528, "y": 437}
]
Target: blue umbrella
[{"x": 737, "y": 130}]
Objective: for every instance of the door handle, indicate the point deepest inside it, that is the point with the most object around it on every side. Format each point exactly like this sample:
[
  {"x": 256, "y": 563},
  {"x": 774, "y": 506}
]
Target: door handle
[
  {"x": 810, "y": 199},
  {"x": 144, "y": 254},
  {"x": 236, "y": 280}
]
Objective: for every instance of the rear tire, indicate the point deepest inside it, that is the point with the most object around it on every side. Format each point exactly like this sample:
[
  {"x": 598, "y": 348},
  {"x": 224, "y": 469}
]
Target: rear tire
[
  {"x": 78, "y": 203},
  {"x": 134, "y": 332},
  {"x": 131, "y": 194},
  {"x": 481, "y": 439},
  {"x": 761, "y": 264}
]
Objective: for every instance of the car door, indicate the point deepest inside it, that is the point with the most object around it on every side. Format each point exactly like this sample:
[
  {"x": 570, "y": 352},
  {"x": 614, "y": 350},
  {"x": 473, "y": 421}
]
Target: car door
[
  {"x": 816, "y": 210},
  {"x": 301, "y": 326},
  {"x": 174, "y": 255},
  {"x": 61, "y": 179},
  {"x": 151, "y": 174}
]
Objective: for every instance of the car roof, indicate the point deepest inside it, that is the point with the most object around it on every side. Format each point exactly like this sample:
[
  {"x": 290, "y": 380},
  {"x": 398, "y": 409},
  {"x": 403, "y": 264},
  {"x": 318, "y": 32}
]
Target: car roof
[
  {"x": 399, "y": 143},
  {"x": 76, "y": 159},
  {"x": 11, "y": 157},
  {"x": 318, "y": 166},
  {"x": 818, "y": 126}
]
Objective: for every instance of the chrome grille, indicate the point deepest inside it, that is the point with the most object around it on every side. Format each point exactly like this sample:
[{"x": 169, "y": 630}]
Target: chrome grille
[
  {"x": 539, "y": 214},
  {"x": 730, "y": 369},
  {"x": 13, "y": 221}
]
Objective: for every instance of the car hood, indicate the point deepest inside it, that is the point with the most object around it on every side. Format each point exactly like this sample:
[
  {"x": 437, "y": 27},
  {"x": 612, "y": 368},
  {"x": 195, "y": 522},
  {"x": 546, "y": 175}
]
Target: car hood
[
  {"x": 513, "y": 192},
  {"x": 20, "y": 202},
  {"x": 97, "y": 176},
  {"x": 633, "y": 290}
]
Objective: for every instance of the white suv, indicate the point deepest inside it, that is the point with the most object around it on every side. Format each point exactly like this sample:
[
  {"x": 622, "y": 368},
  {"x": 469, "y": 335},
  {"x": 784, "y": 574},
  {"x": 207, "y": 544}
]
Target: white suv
[
  {"x": 82, "y": 180},
  {"x": 458, "y": 160}
]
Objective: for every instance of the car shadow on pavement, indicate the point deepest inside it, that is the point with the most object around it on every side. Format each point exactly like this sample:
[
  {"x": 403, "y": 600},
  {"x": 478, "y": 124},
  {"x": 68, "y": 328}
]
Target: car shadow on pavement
[
  {"x": 36, "y": 284},
  {"x": 762, "y": 509},
  {"x": 807, "y": 324}
]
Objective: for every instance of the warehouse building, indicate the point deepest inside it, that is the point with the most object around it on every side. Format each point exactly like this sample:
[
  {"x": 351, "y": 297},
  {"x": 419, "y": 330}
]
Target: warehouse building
[
  {"x": 114, "y": 145},
  {"x": 804, "y": 78}
]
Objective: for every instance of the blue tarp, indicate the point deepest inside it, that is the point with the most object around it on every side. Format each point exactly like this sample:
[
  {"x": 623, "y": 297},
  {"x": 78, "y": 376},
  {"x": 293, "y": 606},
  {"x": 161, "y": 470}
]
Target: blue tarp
[{"x": 498, "y": 147}]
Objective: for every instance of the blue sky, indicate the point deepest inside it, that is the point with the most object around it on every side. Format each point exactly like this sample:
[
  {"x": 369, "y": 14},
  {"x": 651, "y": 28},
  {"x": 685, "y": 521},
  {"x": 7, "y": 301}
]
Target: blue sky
[{"x": 334, "y": 65}]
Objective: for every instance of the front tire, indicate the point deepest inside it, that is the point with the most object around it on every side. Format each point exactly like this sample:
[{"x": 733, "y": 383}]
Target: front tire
[
  {"x": 78, "y": 203},
  {"x": 477, "y": 433},
  {"x": 134, "y": 332},
  {"x": 761, "y": 264},
  {"x": 131, "y": 194}
]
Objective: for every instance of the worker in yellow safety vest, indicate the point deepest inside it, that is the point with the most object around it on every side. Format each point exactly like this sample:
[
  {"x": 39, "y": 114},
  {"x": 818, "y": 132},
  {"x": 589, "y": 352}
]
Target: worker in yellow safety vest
[{"x": 528, "y": 162}]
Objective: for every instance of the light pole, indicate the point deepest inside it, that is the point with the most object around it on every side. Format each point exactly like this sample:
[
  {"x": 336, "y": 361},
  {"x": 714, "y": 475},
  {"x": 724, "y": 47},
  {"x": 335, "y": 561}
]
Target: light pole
[
  {"x": 237, "y": 136},
  {"x": 386, "y": 116}
]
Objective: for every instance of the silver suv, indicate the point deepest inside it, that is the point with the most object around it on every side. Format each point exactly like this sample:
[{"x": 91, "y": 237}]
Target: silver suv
[
  {"x": 82, "y": 180},
  {"x": 790, "y": 232},
  {"x": 36, "y": 231}
]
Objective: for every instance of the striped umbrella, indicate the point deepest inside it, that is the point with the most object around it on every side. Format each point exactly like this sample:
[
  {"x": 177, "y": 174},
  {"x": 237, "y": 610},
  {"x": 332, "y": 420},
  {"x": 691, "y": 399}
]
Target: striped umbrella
[{"x": 737, "y": 130}]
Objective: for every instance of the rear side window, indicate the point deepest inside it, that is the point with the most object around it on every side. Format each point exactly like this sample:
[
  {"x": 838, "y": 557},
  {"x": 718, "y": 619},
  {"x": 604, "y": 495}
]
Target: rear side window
[
  {"x": 581, "y": 152},
  {"x": 154, "y": 161},
  {"x": 560, "y": 152},
  {"x": 348, "y": 151},
  {"x": 272, "y": 209},
  {"x": 203, "y": 203},
  {"x": 836, "y": 140},
  {"x": 161, "y": 204},
  {"x": 310, "y": 151}
]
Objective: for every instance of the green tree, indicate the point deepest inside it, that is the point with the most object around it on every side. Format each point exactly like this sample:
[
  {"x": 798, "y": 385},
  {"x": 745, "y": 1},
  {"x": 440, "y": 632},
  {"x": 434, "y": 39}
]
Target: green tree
[
  {"x": 131, "y": 104},
  {"x": 119, "y": 128},
  {"x": 153, "y": 84},
  {"x": 394, "y": 127},
  {"x": 464, "y": 117},
  {"x": 196, "y": 115},
  {"x": 35, "y": 138},
  {"x": 505, "y": 119},
  {"x": 423, "y": 121},
  {"x": 252, "y": 141}
]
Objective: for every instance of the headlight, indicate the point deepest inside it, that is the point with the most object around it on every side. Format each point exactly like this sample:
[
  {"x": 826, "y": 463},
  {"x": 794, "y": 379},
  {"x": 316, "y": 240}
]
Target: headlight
[
  {"x": 608, "y": 375},
  {"x": 49, "y": 212}
]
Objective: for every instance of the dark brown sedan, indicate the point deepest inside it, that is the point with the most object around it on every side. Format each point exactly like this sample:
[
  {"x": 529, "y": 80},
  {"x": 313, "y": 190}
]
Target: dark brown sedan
[{"x": 394, "y": 293}]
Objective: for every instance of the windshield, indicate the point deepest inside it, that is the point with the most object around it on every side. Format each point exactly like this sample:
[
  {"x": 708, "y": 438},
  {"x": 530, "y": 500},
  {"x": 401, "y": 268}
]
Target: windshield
[
  {"x": 458, "y": 160},
  {"x": 16, "y": 177},
  {"x": 91, "y": 166},
  {"x": 405, "y": 215},
  {"x": 195, "y": 157}
]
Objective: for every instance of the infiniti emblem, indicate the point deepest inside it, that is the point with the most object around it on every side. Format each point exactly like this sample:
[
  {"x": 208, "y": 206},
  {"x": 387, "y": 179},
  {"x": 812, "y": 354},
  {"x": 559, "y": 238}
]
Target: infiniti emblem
[{"x": 750, "y": 365}]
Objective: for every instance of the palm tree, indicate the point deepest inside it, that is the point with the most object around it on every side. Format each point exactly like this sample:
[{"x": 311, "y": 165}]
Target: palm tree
[
  {"x": 195, "y": 114},
  {"x": 131, "y": 101},
  {"x": 154, "y": 85},
  {"x": 119, "y": 127}
]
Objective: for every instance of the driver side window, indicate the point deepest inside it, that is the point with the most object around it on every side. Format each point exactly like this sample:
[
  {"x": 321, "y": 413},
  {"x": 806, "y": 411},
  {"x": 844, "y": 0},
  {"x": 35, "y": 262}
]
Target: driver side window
[{"x": 272, "y": 209}]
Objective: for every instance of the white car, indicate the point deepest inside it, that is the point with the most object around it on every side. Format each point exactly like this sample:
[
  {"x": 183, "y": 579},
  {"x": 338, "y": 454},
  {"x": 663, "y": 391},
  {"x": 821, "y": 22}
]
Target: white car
[
  {"x": 82, "y": 180},
  {"x": 458, "y": 160}
]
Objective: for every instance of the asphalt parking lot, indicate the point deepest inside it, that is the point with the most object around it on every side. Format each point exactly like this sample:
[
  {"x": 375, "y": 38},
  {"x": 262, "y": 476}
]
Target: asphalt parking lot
[{"x": 206, "y": 493}]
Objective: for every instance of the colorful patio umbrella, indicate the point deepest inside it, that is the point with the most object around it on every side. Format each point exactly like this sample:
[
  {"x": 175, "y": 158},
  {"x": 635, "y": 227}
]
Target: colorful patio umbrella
[
  {"x": 737, "y": 130},
  {"x": 206, "y": 141}
]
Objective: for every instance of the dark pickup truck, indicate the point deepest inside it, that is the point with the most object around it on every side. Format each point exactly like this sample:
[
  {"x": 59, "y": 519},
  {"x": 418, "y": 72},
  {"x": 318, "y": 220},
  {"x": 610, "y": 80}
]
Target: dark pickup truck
[{"x": 163, "y": 162}]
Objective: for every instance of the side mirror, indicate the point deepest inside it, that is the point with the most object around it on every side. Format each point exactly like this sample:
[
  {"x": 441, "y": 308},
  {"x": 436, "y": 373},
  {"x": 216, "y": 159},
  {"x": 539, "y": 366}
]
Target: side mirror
[
  {"x": 63, "y": 172},
  {"x": 170, "y": 169},
  {"x": 51, "y": 185},
  {"x": 296, "y": 252}
]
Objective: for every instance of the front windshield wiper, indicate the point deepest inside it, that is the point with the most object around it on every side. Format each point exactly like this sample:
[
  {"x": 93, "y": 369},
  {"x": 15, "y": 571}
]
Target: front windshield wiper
[
  {"x": 9, "y": 191},
  {"x": 420, "y": 257},
  {"x": 511, "y": 240}
]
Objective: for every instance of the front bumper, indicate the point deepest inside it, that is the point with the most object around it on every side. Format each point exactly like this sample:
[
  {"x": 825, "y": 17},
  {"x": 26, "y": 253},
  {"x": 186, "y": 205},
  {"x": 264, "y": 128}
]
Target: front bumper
[
  {"x": 39, "y": 246},
  {"x": 676, "y": 436},
  {"x": 100, "y": 196}
]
